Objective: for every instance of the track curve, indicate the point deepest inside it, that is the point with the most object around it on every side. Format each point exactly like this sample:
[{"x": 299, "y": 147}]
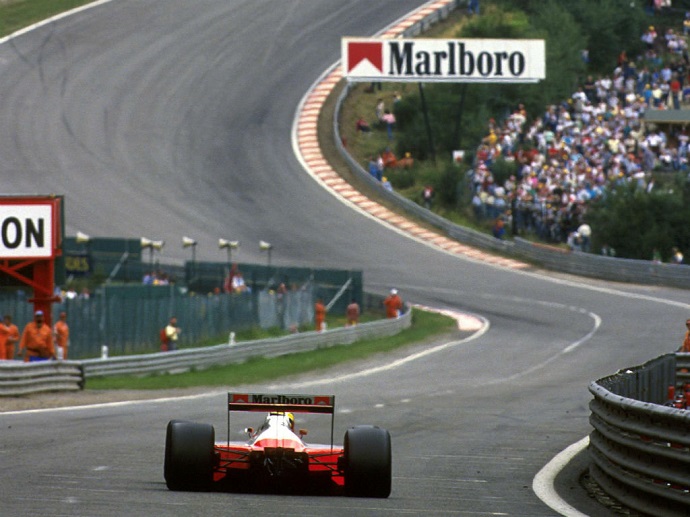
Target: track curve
[{"x": 170, "y": 118}]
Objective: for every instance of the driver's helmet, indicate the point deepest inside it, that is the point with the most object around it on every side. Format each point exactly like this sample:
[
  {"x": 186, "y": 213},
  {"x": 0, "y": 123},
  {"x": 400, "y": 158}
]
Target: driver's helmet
[{"x": 289, "y": 416}]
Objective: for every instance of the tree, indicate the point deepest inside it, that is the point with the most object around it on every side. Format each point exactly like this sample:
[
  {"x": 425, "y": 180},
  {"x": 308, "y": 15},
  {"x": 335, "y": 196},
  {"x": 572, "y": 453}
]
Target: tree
[{"x": 635, "y": 222}]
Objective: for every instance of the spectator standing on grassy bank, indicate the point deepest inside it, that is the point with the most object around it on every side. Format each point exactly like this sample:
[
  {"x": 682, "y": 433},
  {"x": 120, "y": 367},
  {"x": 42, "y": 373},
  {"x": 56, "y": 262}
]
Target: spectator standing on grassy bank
[
  {"x": 388, "y": 119},
  {"x": 685, "y": 347},
  {"x": 319, "y": 315},
  {"x": 393, "y": 304},
  {"x": 227, "y": 283},
  {"x": 379, "y": 110},
  {"x": 37, "y": 340},
  {"x": 428, "y": 196},
  {"x": 352, "y": 313},
  {"x": 9, "y": 336},
  {"x": 61, "y": 335},
  {"x": 676, "y": 256},
  {"x": 172, "y": 333},
  {"x": 473, "y": 7}
]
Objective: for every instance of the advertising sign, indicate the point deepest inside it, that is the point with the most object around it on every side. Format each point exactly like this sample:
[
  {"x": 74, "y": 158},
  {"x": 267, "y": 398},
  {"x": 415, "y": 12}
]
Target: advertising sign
[
  {"x": 444, "y": 60},
  {"x": 77, "y": 264},
  {"x": 26, "y": 231}
]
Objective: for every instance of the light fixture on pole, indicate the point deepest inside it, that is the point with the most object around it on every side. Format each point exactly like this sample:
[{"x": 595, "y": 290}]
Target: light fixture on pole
[
  {"x": 267, "y": 247},
  {"x": 151, "y": 245},
  {"x": 157, "y": 245},
  {"x": 84, "y": 262},
  {"x": 188, "y": 242},
  {"x": 229, "y": 246},
  {"x": 82, "y": 238},
  {"x": 147, "y": 243}
]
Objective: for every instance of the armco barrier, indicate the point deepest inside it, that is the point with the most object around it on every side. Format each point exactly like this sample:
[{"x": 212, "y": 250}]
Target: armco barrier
[
  {"x": 182, "y": 360},
  {"x": 18, "y": 378},
  {"x": 640, "y": 448}
]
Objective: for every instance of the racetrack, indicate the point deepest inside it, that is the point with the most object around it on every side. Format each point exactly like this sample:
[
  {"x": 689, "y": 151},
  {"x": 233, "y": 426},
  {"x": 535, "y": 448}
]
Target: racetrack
[{"x": 170, "y": 118}]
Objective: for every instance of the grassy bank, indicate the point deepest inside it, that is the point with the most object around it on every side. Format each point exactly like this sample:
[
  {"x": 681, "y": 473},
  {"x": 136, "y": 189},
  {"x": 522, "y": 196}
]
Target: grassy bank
[
  {"x": 16, "y": 14},
  {"x": 424, "y": 326}
]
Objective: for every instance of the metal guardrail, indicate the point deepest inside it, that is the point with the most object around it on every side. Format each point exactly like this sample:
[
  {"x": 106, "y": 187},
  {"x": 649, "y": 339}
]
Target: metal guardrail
[
  {"x": 18, "y": 378},
  {"x": 640, "y": 449},
  {"x": 198, "y": 358}
]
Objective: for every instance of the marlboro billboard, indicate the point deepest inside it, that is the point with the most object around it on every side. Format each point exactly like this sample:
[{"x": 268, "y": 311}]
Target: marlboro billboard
[{"x": 444, "y": 60}]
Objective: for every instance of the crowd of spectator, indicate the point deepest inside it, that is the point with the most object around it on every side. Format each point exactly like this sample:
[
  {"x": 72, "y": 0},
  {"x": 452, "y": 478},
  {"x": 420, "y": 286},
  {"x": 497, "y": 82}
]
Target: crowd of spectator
[
  {"x": 156, "y": 278},
  {"x": 572, "y": 153}
]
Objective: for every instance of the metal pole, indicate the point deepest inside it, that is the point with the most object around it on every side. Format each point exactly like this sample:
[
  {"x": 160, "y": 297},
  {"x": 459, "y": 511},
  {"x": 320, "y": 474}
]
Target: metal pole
[
  {"x": 425, "y": 110},
  {"x": 458, "y": 120}
]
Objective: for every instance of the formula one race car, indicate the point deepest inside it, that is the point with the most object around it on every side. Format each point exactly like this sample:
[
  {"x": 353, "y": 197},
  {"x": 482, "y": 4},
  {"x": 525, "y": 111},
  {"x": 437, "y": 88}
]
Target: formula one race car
[{"x": 275, "y": 457}]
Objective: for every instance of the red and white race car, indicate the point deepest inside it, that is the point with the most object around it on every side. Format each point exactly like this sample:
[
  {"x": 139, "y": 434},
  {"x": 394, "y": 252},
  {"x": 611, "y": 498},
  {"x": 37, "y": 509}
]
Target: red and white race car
[{"x": 275, "y": 457}]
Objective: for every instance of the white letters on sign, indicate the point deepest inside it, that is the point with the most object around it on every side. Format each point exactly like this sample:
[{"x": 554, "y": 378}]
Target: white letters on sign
[{"x": 26, "y": 231}]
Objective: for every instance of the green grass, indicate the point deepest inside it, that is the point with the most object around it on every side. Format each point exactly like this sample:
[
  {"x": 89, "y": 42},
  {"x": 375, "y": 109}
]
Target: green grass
[
  {"x": 424, "y": 325},
  {"x": 16, "y": 14}
]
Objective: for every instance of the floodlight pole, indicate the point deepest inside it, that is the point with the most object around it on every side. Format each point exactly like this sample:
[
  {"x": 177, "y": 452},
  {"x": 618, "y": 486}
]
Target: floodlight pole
[{"x": 425, "y": 111}]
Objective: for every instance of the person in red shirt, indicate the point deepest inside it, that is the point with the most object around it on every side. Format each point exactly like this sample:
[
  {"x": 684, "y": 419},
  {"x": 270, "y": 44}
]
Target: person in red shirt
[
  {"x": 352, "y": 313},
  {"x": 37, "y": 340},
  {"x": 319, "y": 315},
  {"x": 685, "y": 347},
  {"x": 9, "y": 336},
  {"x": 393, "y": 304},
  {"x": 675, "y": 89},
  {"x": 61, "y": 334},
  {"x": 227, "y": 284},
  {"x": 362, "y": 125}
]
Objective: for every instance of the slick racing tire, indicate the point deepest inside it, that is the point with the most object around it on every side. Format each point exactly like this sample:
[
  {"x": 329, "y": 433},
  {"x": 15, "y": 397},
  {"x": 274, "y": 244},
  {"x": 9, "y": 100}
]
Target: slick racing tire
[
  {"x": 189, "y": 456},
  {"x": 367, "y": 451}
]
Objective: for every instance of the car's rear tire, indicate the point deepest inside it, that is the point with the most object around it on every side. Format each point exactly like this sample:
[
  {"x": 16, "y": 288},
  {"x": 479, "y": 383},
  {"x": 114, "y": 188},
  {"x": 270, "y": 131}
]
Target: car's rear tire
[
  {"x": 189, "y": 456},
  {"x": 368, "y": 462}
]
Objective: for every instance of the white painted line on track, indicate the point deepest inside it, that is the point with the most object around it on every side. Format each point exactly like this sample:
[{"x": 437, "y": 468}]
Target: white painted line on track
[
  {"x": 466, "y": 322},
  {"x": 543, "y": 483},
  {"x": 568, "y": 349},
  {"x": 113, "y": 404},
  {"x": 52, "y": 19},
  {"x": 391, "y": 365}
]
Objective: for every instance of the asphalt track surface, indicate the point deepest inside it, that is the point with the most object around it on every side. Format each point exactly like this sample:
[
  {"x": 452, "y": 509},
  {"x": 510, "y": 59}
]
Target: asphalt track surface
[{"x": 170, "y": 118}]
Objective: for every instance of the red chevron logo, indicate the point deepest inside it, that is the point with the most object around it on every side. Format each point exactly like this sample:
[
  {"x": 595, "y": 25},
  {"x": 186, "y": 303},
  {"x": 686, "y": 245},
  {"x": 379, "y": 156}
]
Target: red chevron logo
[{"x": 365, "y": 51}]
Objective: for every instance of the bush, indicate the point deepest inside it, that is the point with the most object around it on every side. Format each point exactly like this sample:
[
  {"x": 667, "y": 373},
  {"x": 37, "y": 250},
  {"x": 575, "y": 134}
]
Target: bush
[
  {"x": 635, "y": 222},
  {"x": 401, "y": 178},
  {"x": 448, "y": 185},
  {"x": 502, "y": 170}
]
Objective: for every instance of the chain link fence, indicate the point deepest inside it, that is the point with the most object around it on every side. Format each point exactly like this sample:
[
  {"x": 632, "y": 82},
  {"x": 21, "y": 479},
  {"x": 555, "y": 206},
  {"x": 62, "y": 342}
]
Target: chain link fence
[{"x": 128, "y": 318}]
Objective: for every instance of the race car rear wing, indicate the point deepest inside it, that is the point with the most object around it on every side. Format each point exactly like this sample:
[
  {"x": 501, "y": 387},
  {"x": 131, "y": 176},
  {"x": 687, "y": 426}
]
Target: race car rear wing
[
  {"x": 264, "y": 402},
  {"x": 272, "y": 402}
]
